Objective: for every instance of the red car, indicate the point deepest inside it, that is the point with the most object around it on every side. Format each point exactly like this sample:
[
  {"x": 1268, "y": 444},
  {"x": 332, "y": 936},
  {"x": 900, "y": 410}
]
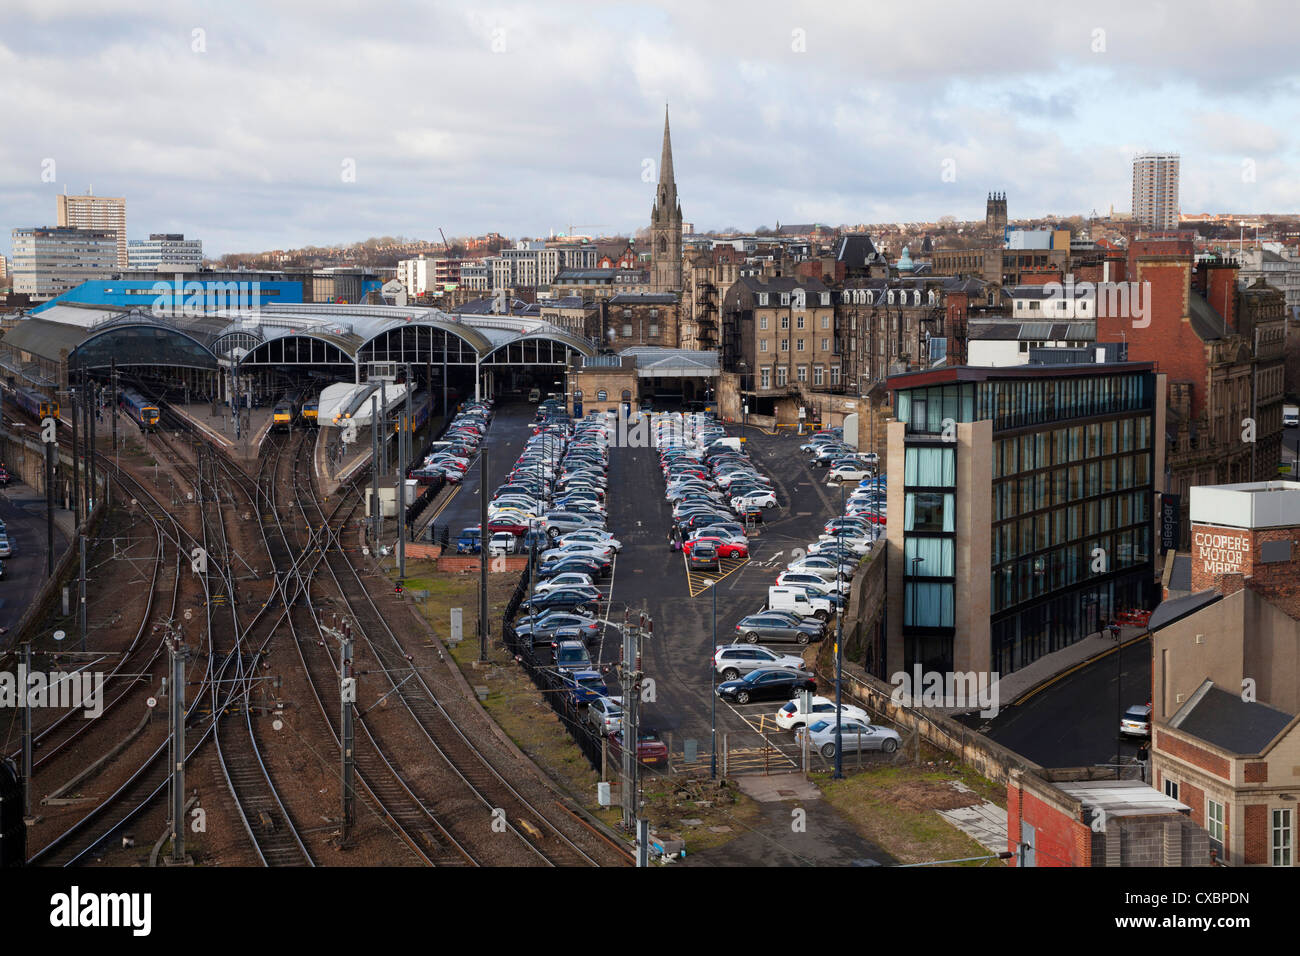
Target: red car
[
  {"x": 504, "y": 523},
  {"x": 650, "y": 750},
  {"x": 726, "y": 549}
]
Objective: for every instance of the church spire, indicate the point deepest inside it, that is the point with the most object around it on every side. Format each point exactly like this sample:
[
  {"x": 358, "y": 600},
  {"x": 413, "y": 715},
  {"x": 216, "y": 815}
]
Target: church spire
[{"x": 666, "y": 158}]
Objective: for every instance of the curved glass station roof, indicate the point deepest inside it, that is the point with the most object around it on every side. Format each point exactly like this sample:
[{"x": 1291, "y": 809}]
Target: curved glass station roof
[{"x": 303, "y": 334}]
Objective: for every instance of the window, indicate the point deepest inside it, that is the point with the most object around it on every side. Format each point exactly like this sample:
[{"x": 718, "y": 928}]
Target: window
[
  {"x": 799, "y": 345},
  {"x": 1214, "y": 824},
  {"x": 785, "y": 298},
  {"x": 799, "y": 321},
  {"x": 835, "y": 375},
  {"x": 802, "y": 373},
  {"x": 762, "y": 345},
  {"x": 762, "y": 323},
  {"x": 785, "y": 345},
  {"x": 1281, "y": 837},
  {"x": 930, "y": 467},
  {"x": 785, "y": 321},
  {"x": 762, "y": 298},
  {"x": 602, "y": 396},
  {"x": 819, "y": 374},
  {"x": 928, "y": 511},
  {"x": 826, "y": 345},
  {"x": 765, "y": 377},
  {"x": 826, "y": 321},
  {"x": 1171, "y": 788},
  {"x": 653, "y": 331},
  {"x": 627, "y": 331},
  {"x": 782, "y": 375}
]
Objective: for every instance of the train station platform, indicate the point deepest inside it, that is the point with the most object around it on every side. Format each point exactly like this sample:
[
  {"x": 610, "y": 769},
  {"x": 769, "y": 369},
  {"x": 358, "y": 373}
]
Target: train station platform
[
  {"x": 220, "y": 428},
  {"x": 335, "y": 462}
]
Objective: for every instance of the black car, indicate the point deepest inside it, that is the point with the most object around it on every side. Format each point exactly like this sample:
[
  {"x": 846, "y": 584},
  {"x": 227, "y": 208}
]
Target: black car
[
  {"x": 593, "y": 565},
  {"x": 560, "y": 599},
  {"x": 776, "y": 684},
  {"x": 770, "y": 626}
]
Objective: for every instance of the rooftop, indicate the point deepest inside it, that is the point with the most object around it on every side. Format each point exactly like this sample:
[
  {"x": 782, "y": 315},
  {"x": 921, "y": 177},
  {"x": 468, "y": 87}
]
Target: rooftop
[
  {"x": 1122, "y": 798},
  {"x": 1259, "y": 504},
  {"x": 1228, "y": 722}
]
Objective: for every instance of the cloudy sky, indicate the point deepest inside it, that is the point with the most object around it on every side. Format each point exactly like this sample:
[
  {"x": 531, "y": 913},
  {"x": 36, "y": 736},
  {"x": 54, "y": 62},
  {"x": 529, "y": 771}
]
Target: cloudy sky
[{"x": 281, "y": 123}]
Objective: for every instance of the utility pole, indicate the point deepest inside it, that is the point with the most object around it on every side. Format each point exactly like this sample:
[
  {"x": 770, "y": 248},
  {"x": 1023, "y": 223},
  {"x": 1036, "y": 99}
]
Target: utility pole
[
  {"x": 631, "y": 680},
  {"x": 404, "y": 419},
  {"x": 176, "y": 706},
  {"x": 82, "y": 599},
  {"x": 77, "y": 512},
  {"x": 383, "y": 435},
  {"x": 51, "y": 438},
  {"x": 375, "y": 510},
  {"x": 348, "y": 697},
  {"x": 114, "y": 397},
  {"x": 27, "y": 731},
  {"x": 483, "y": 556}
]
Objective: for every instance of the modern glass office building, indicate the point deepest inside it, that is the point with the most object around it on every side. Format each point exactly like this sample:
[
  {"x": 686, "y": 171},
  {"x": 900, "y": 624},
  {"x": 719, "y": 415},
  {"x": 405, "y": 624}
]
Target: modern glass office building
[{"x": 1024, "y": 518}]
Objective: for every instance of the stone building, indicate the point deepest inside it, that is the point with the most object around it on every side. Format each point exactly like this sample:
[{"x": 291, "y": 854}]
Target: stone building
[
  {"x": 666, "y": 225},
  {"x": 708, "y": 276}
]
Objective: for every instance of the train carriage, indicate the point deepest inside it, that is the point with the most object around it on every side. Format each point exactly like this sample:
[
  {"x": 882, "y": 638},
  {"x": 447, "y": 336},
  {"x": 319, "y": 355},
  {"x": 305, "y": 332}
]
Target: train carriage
[{"x": 139, "y": 409}]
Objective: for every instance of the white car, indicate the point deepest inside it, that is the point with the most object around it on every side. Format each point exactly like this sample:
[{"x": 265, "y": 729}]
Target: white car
[
  {"x": 848, "y": 473},
  {"x": 858, "y": 544},
  {"x": 791, "y": 715},
  {"x": 569, "y": 550},
  {"x": 569, "y": 579},
  {"x": 856, "y": 735},
  {"x": 756, "y": 499},
  {"x": 592, "y": 536},
  {"x": 6, "y": 549},
  {"x": 503, "y": 542},
  {"x": 812, "y": 581}
]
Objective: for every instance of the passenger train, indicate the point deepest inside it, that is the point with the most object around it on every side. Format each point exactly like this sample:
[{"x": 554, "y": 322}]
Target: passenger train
[
  {"x": 286, "y": 410},
  {"x": 140, "y": 410},
  {"x": 34, "y": 403}
]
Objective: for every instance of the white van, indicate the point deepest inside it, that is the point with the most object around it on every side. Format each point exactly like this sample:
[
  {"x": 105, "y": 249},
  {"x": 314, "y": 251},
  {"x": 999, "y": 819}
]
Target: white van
[
  {"x": 732, "y": 443},
  {"x": 1290, "y": 416},
  {"x": 796, "y": 601}
]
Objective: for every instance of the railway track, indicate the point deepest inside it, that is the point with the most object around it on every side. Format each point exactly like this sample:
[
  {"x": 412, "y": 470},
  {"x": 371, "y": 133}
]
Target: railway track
[
  {"x": 497, "y": 799},
  {"x": 381, "y": 784}
]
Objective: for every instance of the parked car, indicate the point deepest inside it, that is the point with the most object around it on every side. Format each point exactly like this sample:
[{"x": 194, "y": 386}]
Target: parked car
[
  {"x": 571, "y": 656},
  {"x": 469, "y": 541},
  {"x": 765, "y": 684},
  {"x": 791, "y": 715},
  {"x": 856, "y": 735},
  {"x": 543, "y": 628},
  {"x": 732, "y": 661},
  {"x": 703, "y": 557},
  {"x": 503, "y": 542},
  {"x": 651, "y": 751},
  {"x": 726, "y": 547},
  {"x": 605, "y": 715},
  {"x": 584, "y": 686},
  {"x": 774, "y": 627}
]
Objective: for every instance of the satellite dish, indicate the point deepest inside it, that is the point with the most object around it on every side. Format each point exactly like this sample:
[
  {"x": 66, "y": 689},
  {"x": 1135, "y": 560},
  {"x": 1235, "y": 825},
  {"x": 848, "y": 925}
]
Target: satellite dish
[
  {"x": 152, "y": 702},
  {"x": 60, "y": 635}
]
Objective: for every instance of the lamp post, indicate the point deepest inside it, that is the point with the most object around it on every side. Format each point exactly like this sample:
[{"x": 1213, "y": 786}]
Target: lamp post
[
  {"x": 1119, "y": 691},
  {"x": 713, "y": 690},
  {"x": 915, "y": 562},
  {"x": 839, "y": 648}
]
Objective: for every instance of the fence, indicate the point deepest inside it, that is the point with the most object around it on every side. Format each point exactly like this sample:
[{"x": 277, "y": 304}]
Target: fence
[
  {"x": 555, "y": 691},
  {"x": 416, "y": 507}
]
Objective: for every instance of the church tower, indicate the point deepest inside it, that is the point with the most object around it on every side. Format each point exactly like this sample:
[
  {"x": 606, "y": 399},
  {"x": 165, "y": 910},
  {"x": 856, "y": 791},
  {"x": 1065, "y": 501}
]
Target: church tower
[{"x": 666, "y": 225}]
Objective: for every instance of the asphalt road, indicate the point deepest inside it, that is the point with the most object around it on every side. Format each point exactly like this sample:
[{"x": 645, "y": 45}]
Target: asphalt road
[
  {"x": 1074, "y": 722},
  {"x": 23, "y": 511},
  {"x": 506, "y": 435}
]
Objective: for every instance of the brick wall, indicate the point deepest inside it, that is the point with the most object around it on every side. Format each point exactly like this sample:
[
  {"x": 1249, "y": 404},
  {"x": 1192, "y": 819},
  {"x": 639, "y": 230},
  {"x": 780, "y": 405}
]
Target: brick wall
[
  {"x": 1221, "y": 291},
  {"x": 1194, "y": 797},
  {"x": 1059, "y": 839},
  {"x": 515, "y": 563},
  {"x": 1256, "y": 772},
  {"x": 1196, "y": 756},
  {"x": 1227, "y": 559},
  {"x": 1256, "y": 843}
]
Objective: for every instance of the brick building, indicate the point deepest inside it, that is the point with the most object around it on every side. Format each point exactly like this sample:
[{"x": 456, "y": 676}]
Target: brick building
[
  {"x": 1226, "y": 674},
  {"x": 1053, "y": 820},
  {"x": 707, "y": 277},
  {"x": 1222, "y": 349},
  {"x": 640, "y": 318}
]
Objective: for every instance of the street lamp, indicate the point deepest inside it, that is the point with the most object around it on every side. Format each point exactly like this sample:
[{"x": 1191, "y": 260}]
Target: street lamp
[
  {"x": 713, "y": 690},
  {"x": 915, "y": 562}
]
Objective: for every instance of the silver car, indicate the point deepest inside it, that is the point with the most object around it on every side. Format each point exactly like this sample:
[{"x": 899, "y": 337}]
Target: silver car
[
  {"x": 605, "y": 714},
  {"x": 733, "y": 661},
  {"x": 856, "y": 734}
]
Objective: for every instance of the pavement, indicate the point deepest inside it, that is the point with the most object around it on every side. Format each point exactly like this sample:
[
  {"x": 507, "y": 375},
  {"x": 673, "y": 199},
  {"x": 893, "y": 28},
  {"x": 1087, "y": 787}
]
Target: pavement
[{"x": 22, "y": 508}]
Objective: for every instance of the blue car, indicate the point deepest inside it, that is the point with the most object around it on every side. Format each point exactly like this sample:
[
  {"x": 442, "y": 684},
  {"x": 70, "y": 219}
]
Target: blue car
[
  {"x": 584, "y": 686},
  {"x": 470, "y": 541}
]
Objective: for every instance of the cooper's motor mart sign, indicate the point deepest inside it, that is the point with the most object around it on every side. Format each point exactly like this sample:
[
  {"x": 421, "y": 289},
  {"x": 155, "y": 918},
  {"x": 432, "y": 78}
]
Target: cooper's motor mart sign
[{"x": 1218, "y": 553}]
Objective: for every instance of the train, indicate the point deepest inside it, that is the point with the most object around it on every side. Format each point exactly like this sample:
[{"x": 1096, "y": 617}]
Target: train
[
  {"x": 311, "y": 412},
  {"x": 140, "y": 410},
  {"x": 286, "y": 411},
  {"x": 419, "y": 412},
  {"x": 35, "y": 404}
]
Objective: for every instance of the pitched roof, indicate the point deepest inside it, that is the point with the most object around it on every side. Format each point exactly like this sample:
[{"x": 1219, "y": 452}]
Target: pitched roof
[{"x": 1228, "y": 722}]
